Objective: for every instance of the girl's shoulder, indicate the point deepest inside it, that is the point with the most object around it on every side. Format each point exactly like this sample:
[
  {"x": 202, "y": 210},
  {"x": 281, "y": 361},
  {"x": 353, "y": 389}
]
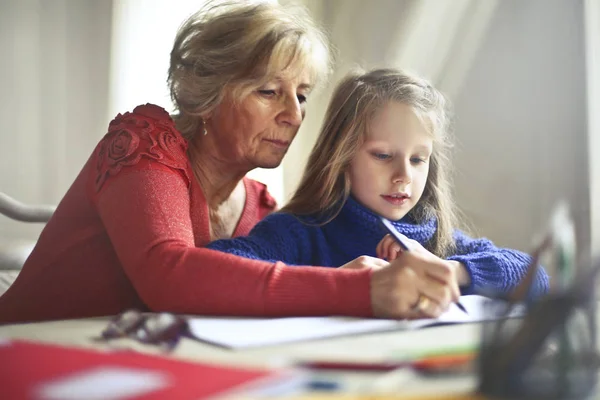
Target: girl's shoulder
[{"x": 285, "y": 221}]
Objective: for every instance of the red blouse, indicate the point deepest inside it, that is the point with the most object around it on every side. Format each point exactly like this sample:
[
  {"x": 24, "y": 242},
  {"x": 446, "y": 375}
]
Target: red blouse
[{"x": 128, "y": 234}]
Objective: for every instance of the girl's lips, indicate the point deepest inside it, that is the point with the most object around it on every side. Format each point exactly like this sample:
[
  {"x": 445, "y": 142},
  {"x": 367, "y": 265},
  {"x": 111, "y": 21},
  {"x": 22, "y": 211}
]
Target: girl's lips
[{"x": 395, "y": 200}]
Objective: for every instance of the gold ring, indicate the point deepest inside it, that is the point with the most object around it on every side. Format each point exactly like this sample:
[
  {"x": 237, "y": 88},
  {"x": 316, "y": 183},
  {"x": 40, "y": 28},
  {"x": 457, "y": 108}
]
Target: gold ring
[{"x": 422, "y": 303}]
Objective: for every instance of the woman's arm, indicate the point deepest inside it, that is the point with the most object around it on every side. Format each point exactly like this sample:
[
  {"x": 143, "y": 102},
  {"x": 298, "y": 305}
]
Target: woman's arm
[
  {"x": 494, "y": 268},
  {"x": 146, "y": 214}
]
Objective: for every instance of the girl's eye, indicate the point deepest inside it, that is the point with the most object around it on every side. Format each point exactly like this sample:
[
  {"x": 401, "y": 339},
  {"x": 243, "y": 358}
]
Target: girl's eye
[
  {"x": 381, "y": 156},
  {"x": 417, "y": 160}
]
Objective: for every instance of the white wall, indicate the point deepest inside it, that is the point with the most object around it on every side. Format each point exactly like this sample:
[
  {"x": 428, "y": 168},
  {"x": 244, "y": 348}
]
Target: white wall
[
  {"x": 521, "y": 122},
  {"x": 592, "y": 10}
]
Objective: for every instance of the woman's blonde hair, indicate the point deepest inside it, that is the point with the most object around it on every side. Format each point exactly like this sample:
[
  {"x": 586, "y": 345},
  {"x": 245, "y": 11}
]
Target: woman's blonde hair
[
  {"x": 325, "y": 185},
  {"x": 240, "y": 46}
]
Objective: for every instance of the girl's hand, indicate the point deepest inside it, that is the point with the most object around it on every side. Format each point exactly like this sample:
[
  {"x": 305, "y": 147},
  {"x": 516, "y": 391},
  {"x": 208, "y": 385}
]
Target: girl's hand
[{"x": 388, "y": 248}]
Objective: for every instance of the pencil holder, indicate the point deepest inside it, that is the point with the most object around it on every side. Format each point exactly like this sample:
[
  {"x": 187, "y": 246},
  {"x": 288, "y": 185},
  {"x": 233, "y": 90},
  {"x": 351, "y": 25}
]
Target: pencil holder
[{"x": 549, "y": 354}]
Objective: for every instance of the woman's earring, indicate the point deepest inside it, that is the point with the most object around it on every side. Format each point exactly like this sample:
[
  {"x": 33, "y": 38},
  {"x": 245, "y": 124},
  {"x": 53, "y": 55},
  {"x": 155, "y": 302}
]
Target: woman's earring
[{"x": 204, "y": 131}]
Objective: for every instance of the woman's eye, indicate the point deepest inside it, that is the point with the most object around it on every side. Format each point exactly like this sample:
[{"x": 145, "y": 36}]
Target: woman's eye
[
  {"x": 301, "y": 98},
  {"x": 381, "y": 156},
  {"x": 267, "y": 92}
]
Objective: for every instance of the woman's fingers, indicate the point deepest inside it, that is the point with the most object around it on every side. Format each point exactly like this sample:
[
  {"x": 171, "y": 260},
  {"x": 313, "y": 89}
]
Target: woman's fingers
[
  {"x": 365, "y": 262},
  {"x": 394, "y": 291},
  {"x": 425, "y": 307},
  {"x": 439, "y": 293},
  {"x": 437, "y": 279},
  {"x": 413, "y": 286},
  {"x": 426, "y": 263}
]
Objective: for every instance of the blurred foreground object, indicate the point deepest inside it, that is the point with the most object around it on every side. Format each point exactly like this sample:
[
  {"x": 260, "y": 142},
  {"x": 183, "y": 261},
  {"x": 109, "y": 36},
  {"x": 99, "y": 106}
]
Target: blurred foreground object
[{"x": 551, "y": 353}]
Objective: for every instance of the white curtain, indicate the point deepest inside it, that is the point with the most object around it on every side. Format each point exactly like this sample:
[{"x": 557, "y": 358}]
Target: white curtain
[{"x": 54, "y": 80}]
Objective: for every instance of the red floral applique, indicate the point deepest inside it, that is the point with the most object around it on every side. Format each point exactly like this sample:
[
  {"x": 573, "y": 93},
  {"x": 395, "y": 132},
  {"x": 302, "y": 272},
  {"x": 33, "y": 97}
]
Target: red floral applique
[
  {"x": 169, "y": 148},
  {"x": 116, "y": 151},
  {"x": 133, "y": 136}
]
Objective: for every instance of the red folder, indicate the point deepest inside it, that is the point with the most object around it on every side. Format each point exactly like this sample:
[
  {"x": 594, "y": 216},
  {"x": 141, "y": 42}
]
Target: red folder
[{"x": 31, "y": 370}]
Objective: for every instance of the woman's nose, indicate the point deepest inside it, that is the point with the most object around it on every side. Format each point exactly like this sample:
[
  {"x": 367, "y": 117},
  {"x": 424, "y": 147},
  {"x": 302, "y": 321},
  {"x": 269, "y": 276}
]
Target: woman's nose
[{"x": 292, "y": 113}]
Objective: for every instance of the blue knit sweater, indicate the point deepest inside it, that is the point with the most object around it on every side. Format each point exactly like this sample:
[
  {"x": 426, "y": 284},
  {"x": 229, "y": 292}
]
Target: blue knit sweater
[{"x": 356, "y": 231}]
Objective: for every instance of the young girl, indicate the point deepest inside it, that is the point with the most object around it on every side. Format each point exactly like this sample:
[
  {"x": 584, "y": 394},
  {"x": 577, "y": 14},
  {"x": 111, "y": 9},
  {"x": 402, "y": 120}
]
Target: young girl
[{"x": 382, "y": 151}]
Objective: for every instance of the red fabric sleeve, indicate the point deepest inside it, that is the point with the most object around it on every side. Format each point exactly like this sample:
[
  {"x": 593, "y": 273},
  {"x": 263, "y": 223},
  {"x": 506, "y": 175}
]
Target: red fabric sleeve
[
  {"x": 267, "y": 203},
  {"x": 146, "y": 215},
  {"x": 148, "y": 134}
]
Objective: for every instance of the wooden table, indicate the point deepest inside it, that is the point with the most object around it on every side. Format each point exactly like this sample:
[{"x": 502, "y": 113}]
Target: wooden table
[{"x": 369, "y": 347}]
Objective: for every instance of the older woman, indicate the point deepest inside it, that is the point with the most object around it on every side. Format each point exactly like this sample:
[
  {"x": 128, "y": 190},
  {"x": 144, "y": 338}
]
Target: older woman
[{"x": 129, "y": 231}]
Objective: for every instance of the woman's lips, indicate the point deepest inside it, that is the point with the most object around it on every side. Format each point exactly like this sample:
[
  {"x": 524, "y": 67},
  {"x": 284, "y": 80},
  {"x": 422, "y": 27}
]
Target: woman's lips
[{"x": 283, "y": 144}]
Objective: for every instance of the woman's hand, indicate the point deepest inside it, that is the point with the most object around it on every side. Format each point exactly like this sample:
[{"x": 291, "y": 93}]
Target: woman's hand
[
  {"x": 366, "y": 262},
  {"x": 416, "y": 284},
  {"x": 389, "y": 249}
]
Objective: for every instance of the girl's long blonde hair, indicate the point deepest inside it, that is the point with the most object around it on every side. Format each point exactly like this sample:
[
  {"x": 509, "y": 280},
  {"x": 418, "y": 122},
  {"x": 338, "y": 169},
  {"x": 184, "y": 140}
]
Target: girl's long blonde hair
[{"x": 325, "y": 185}]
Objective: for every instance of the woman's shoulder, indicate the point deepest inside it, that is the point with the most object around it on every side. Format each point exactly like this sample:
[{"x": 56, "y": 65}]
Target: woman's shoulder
[
  {"x": 149, "y": 122},
  {"x": 144, "y": 138}
]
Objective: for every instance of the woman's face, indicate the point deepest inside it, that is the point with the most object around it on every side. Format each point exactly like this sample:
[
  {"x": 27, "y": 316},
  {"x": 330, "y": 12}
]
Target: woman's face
[{"x": 258, "y": 131}]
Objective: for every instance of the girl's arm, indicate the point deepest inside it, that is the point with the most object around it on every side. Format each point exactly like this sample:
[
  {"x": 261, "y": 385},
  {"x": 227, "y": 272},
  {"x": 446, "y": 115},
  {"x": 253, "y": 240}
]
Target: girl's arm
[
  {"x": 278, "y": 237},
  {"x": 494, "y": 268}
]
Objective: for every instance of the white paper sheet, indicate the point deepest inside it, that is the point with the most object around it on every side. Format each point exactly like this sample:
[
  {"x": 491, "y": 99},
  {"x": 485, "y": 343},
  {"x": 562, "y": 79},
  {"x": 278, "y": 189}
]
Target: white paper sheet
[
  {"x": 104, "y": 383},
  {"x": 254, "y": 332}
]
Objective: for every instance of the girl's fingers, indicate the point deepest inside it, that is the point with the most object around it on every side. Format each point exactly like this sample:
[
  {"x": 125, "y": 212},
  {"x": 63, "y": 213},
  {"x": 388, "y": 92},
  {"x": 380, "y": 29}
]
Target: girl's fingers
[
  {"x": 379, "y": 250},
  {"x": 393, "y": 251}
]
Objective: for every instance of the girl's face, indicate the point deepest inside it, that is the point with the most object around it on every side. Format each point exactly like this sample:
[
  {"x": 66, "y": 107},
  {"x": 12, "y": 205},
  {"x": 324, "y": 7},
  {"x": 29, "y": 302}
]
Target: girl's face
[{"x": 389, "y": 171}]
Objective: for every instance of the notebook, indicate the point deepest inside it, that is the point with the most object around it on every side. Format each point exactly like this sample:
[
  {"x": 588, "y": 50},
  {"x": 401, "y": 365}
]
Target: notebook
[
  {"x": 238, "y": 333},
  {"x": 30, "y": 370}
]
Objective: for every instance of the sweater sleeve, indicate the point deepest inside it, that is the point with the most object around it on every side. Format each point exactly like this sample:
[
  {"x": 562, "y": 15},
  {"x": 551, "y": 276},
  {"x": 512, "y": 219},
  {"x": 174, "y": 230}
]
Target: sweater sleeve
[
  {"x": 494, "y": 268},
  {"x": 278, "y": 237},
  {"x": 146, "y": 214}
]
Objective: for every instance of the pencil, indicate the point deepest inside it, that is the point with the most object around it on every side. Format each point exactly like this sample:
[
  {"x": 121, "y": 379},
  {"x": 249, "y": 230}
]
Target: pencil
[{"x": 405, "y": 247}]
